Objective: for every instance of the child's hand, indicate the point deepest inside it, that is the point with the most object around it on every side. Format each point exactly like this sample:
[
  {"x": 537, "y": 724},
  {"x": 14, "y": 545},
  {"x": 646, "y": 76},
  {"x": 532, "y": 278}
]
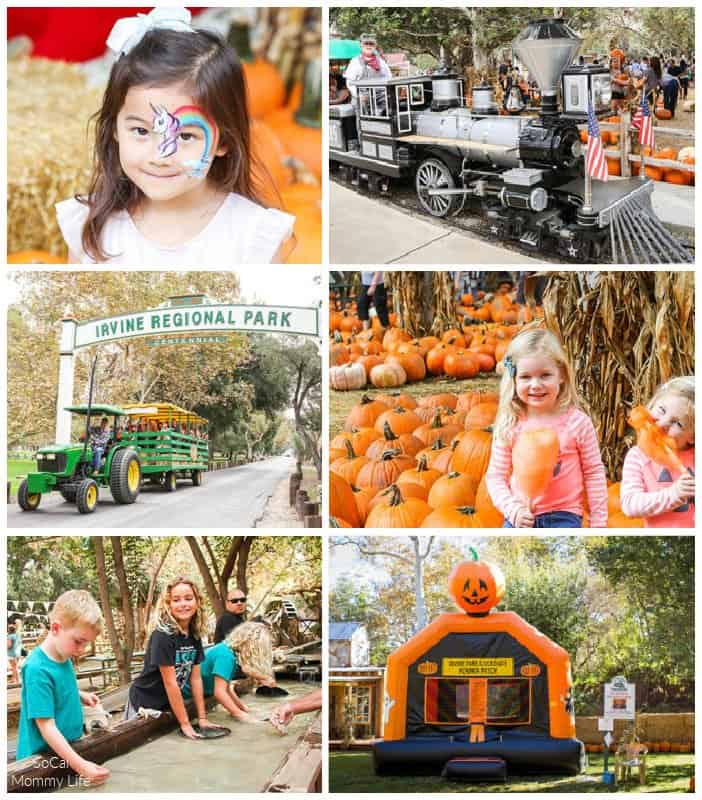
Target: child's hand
[
  {"x": 89, "y": 699},
  {"x": 205, "y": 723},
  {"x": 685, "y": 485},
  {"x": 189, "y": 731},
  {"x": 524, "y": 518},
  {"x": 93, "y": 773}
]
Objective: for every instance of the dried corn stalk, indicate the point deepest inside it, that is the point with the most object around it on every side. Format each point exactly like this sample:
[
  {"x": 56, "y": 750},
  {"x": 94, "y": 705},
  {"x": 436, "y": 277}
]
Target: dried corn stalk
[
  {"x": 423, "y": 301},
  {"x": 625, "y": 334}
]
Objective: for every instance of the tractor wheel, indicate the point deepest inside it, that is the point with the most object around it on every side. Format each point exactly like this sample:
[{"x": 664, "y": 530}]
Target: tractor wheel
[
  {"x": 197, "y": 477},
  {"x": 87, "y": 496},
  {"x": 125, "y": 476},
  {"x": 68, "y": 493},
  {"x": 170, "y": 482},
  {"x": 27, "y": 501}
]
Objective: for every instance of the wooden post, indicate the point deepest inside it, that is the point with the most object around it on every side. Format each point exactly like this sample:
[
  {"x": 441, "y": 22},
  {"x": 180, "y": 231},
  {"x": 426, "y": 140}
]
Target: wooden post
[
  {"x": 625, "y": 143},
  {"x": 313, "y": 521},
  {"x": 295, "y": 480},
  {"x": 302, "y": 498}
]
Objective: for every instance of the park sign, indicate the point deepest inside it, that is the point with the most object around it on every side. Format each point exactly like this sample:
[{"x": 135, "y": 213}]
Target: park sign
[{"x": 211, "y": 318}]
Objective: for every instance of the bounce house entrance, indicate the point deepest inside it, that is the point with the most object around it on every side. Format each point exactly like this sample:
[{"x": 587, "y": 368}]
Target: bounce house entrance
[{"x": 501, "y": 701}]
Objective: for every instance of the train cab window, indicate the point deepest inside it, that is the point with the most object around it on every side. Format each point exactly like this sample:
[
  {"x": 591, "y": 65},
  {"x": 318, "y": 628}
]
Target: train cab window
[
  {"x": 447, "y": 701},
  {"x": 380, "y": 103},
  {"x": 416, "y": 94},
  {"x": 372, "y": 101}
]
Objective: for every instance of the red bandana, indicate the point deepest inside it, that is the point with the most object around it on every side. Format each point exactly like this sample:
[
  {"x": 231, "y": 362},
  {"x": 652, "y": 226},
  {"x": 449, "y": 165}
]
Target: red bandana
[{"x": 372, "y": 62}]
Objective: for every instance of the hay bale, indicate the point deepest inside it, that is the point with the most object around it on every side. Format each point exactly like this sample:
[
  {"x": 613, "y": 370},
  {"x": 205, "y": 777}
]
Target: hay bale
[{"x": 49, "y": 104}]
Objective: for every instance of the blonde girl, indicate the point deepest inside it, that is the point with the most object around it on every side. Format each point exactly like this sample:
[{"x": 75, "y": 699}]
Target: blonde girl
[
  {"x": 173, "y": 657},
  {"x": 651, "y": 490},
  {"x": 247, "y": 646},
  {"x": 538, "y": 390}
]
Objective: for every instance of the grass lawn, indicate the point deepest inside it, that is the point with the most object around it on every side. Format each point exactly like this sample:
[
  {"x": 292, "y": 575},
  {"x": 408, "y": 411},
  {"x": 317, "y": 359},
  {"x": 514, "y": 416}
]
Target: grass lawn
[
  {"x": 340, "y": 403},
  {"x": 15, "y": 467},
  {"x": 666, "y": 772}
]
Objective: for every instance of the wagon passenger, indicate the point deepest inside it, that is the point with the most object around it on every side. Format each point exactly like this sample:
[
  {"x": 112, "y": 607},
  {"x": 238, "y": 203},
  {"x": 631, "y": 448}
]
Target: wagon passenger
[
  {"x": 99, "y": 437},
  {"x": 368, "y": 64}
]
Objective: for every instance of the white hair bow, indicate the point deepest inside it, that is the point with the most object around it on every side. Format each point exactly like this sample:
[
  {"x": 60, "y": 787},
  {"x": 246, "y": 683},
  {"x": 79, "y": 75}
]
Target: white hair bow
[{"x": 128, "y": 32}]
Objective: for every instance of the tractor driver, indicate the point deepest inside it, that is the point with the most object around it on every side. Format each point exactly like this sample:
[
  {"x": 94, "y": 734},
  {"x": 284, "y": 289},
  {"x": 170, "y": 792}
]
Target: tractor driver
[{"x": 99, "y": 437}]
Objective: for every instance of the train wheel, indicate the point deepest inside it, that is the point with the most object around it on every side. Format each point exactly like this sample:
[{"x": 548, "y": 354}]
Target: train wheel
[{"x": 434, "y": 174}]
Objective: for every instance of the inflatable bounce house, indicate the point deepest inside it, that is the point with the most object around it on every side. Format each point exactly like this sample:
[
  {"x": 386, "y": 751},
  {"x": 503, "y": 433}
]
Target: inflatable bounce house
[{"x": 478, "y": 693}]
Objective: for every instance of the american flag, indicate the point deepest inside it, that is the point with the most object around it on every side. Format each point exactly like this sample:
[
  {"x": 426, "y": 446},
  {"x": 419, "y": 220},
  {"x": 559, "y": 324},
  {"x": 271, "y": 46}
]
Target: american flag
[
  {"x": 643, "y": 123},
  {"x": 595, "y": 162}
]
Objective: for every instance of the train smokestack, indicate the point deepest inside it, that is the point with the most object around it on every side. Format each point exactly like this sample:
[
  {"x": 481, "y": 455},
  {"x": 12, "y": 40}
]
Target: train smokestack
[{"x": 546, "y": 47}]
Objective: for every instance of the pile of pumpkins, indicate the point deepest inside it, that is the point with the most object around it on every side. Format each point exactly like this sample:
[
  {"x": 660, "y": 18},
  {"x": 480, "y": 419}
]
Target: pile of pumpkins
[
  {"x": 406, "y": 463},
  {"x": 391, "y": 358},
  {"x": 686, "y": 155},
  {"x": 651, "y": 747}
]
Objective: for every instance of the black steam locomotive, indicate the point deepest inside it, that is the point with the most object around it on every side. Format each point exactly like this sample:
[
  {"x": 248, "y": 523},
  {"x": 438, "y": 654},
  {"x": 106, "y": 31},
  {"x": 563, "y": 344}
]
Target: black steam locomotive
[{"x": 524, "y": 173}]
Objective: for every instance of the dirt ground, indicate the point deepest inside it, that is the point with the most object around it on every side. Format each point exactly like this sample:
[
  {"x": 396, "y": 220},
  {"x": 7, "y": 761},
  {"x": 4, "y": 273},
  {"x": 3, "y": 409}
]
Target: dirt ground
[
  {"x": 278, "y": 513},
  {"x": 340, "y": 403}
]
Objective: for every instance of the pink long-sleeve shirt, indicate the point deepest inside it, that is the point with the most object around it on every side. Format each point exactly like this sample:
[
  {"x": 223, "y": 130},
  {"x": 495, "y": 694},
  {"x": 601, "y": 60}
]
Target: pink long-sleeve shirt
[
  {"x": 648, "y": 491},
  {"x": 579, "y": 471}
]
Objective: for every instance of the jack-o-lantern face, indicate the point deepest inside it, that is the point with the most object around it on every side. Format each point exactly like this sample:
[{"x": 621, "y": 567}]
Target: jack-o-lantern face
[{"x": 476, "y": 586}]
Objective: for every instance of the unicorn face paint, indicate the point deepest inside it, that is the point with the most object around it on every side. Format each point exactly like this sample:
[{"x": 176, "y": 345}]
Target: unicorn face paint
[
  {"x": 166, "y": 143},
  {"x": 169, "y": 127}
]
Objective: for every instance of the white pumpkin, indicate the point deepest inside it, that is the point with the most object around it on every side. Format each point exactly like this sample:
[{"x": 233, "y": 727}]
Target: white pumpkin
[
  {"x": 347, "y": 377},
  {"x": 686, "y": 152}
]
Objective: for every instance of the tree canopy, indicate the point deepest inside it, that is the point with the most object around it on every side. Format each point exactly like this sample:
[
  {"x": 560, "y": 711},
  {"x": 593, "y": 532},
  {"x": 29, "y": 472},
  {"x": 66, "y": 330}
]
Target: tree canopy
[
  {"x": 243, "y": 385},
  {"x": 617, "y": 604},
  {"x": 475, "y": 37}
]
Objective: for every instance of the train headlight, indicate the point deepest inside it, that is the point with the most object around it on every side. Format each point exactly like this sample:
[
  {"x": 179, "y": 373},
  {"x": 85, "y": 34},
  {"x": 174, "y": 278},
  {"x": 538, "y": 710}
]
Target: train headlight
[
  {"x": 538, "y": 199},
  {"x": 576, "y": 149}
]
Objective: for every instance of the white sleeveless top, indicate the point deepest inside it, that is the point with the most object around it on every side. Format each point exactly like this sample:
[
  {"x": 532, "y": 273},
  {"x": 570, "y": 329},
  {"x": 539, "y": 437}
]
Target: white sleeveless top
[{"x": 241, "y": 232}]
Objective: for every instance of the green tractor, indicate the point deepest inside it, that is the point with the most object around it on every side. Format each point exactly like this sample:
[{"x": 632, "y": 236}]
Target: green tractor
[{"x": 68, "y": 468}]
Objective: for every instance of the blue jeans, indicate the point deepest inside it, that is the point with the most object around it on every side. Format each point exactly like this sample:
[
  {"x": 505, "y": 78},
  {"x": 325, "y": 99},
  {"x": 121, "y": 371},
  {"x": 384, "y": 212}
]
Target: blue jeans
[
  {"x": 97, "y": 457},
  {"x": 554, "y": 519}
]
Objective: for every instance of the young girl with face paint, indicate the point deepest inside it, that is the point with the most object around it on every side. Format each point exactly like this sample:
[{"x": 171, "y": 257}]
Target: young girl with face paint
[
  {"x": 174, "y": 181},
  {"x": 665, "y": 497},
  {"x": 538, "y": 391}
]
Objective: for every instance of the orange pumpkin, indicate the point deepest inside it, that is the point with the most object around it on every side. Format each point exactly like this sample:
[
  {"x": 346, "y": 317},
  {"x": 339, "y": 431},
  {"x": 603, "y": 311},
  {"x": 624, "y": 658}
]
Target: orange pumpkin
[
  {"x": 34, "y": 257},
  {"x": 472, "y": 455},
  {"x": 620, "y": 520},
  {"x": 406, "y": 443},
  {"x": 444, "y": 400},
  {"x": 362, "y": 498},
  {"x": 476, "y": 586},
  {"x": 412, "y": 363},
  {"x": 338, "y": 522},
  {"x": 407, "y": 490},
  {"x": 430, "y": 432},
  {"x": 385, "y": 471},
  {"x": 481, "y": 416},
  {"x": 461, "y": 365},
  {"x": 422, "y": 474},
  {"x": 348, "y": 466},
  {"x": 401, "y": 420},
  {"x": 491, "y": 517},
  {"x": 364, "y": 414},
  {"x": 341, "y": 500},
  {"x": 398, "y": 512},
  {"x": 453, "y": 489}
]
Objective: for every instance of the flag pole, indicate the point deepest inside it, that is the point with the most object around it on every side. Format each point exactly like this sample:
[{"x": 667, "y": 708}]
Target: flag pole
[{"x": 587, "y": 199}]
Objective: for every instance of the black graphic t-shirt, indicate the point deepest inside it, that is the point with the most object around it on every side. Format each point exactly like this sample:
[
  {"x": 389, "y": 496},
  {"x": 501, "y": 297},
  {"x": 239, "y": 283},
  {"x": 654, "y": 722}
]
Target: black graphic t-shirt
[{"x": 164, "y": 650}]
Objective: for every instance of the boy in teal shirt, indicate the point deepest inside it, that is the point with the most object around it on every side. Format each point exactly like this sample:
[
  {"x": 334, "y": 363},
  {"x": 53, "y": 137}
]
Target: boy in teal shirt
[{"x": 51, "y": 715}]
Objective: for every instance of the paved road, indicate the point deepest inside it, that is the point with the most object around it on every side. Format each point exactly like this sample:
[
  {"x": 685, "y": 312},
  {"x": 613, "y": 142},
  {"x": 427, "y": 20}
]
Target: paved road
[{"x": 231, "y": 498}]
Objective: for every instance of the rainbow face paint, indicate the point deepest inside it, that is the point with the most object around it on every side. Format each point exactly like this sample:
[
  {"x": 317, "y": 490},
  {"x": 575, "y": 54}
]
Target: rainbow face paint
[{"x": 168, "y": 126}]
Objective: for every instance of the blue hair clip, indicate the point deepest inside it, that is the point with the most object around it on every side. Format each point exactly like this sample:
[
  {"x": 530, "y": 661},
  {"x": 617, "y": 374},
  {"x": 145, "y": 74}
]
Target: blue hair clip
[{"x": 510, "y": 366}]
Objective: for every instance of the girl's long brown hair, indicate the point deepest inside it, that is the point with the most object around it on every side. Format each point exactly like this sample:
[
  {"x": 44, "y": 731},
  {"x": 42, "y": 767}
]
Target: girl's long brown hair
[{"x": 211, "y": 71}]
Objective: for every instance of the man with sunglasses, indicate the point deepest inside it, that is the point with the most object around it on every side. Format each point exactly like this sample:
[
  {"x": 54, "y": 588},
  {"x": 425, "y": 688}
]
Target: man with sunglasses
[{"x": 233, "y": 616}]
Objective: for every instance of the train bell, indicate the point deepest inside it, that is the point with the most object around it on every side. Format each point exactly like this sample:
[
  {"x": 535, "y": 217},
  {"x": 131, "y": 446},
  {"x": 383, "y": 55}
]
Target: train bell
[{"x": 484, "y": 99}]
